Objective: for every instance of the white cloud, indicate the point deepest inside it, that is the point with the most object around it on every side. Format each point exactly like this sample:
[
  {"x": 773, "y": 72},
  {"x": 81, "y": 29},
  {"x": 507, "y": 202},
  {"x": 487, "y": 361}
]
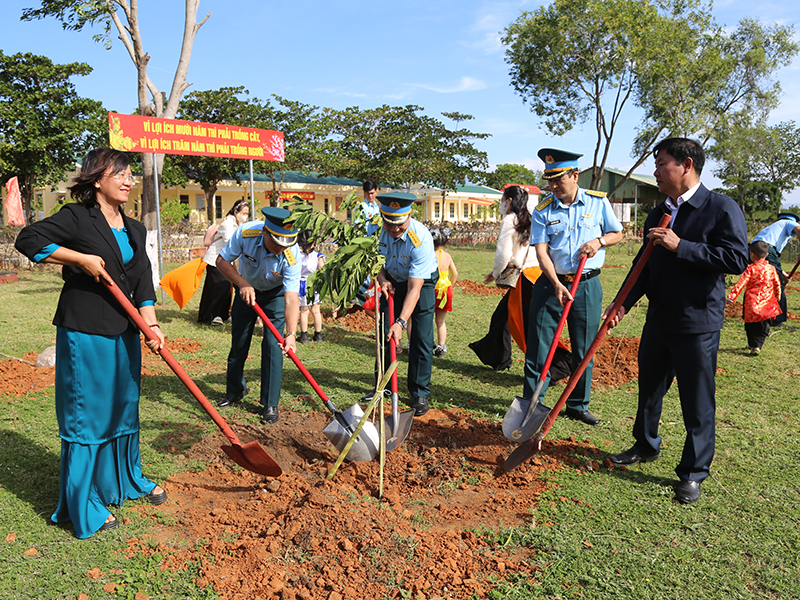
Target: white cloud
[{"x": 465, "y": 84}]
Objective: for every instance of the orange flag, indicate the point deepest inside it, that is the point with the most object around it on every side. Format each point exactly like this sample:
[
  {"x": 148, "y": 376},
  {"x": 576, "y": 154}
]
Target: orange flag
[
  {"x": 16, "y": 215},
  {"x": 182, "y": 283}
]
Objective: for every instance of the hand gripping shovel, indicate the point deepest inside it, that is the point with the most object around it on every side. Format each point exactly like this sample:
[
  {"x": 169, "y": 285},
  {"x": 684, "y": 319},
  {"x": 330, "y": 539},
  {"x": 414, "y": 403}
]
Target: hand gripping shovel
[
  {"x": 524, "y": 417},
  {"x": 249, "y": 456},
  {"x": 340, "y": 430},
  {"x": 399, "y": 423},
  {"x": 527, "y": 449}
]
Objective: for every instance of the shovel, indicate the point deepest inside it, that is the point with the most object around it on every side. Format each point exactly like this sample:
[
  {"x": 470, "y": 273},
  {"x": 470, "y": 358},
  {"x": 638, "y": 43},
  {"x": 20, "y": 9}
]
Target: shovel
[
  {"x": 340, "y": 430},
  {"x": 534, "y": 445},
  {"x": 250, "y": 456},
  {"x": 399, "y": 423},
  {"x": 524, "y": 417}
]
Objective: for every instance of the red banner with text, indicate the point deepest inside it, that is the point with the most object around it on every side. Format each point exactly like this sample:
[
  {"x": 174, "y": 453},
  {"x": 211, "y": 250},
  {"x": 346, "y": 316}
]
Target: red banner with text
[{"x": 134, "y": 133}]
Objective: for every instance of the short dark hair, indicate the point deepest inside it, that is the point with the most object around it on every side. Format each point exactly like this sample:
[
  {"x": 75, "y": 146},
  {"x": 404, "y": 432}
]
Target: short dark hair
[
  {"x": 440, "y": 236},
  {"x": 759, "y": 248},
  {"x": 369, "y": 185},
  {"x": 305, "y": 239},
  {"x": 94, "y": 166},
  {"x": 682, "y": 148}
]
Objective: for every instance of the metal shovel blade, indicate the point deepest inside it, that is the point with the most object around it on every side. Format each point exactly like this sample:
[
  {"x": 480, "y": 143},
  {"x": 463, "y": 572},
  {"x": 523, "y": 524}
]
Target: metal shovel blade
[
  {"x": 252, "y": 457},
  {"x": 365, "y": 447},
  {"x": 397, "y": 425},
  {"x": 523, "y": 452},
  {"x": 518, "y": 426}
]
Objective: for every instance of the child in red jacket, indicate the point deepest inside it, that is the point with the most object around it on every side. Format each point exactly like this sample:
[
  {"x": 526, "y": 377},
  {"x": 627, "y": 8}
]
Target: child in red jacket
[{"x": 762, "y": 290}]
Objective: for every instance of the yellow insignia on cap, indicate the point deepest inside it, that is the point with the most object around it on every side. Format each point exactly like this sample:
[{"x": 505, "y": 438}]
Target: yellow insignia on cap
[
  {"x": 596, "y": 193},
  {"x": 289, "y": 256},
  {"x": 549, "y": 159},
  {"x": 394, "y": 205},
  {"x": 545, "y": 203},
  {"x": 414, "y": 238},
  {"x": 248, "y": 233}
]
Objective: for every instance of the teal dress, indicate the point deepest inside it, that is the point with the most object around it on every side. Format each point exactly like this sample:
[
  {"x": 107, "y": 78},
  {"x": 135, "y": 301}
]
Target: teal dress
[{"x": 97, "y": 406}]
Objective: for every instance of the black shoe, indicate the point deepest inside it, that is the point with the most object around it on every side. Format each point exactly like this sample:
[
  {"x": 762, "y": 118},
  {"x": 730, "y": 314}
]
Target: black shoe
[
  {"x": 230, "y": 399},
  {"x": 633, "y": 456},
  {"x": 109, "y": 525},
  {"x": 270, "y": 415},
  {"x": 156, "y": 499},
  {"x": 420, "y": 406},
  {"x": 303, "y": 337},
  {"x": 317, "y": 336},
  {"x": 687, "y": 491},
  {"x": 581, "y": 415}
]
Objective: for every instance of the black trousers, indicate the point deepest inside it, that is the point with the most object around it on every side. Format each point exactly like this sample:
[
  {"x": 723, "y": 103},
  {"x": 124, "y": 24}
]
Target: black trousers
[
  {"x": 757, "y": 333},
  {"x": 216, "y": 298}
]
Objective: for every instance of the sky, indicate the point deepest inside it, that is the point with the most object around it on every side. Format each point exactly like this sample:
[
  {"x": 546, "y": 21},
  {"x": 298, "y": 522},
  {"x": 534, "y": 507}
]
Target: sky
[{"x": 444, "y": 56}]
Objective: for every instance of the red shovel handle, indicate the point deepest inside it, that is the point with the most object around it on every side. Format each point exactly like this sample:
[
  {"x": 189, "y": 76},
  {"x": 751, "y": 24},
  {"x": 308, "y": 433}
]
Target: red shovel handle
[
  {"x": 392, "y": 344},
  {"x": 794, "y": 269},
  {"x": 295, "y": 360},
  {"x": 612, "y": 312},
  {"x": 572, "y": 290},
  {"x": 170, "y": 360}
]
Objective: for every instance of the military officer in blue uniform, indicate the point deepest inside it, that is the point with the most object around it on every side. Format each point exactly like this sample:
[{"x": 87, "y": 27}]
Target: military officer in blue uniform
[
  {"x": 269, "y": 274},
  {"x": 777, "y": 236},
  {"x": 410, "y": 273},
  {"x": 565, "y": 225}
]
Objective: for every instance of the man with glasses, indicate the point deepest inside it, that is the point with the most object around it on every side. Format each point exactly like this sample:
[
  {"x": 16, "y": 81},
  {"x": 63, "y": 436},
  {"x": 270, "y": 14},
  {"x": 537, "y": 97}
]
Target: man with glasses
[
  {"x": 410, "y": 273},
  {"x": 567, "y": 224}
]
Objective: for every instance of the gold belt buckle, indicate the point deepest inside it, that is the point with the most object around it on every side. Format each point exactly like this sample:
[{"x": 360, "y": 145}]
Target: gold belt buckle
[{"x": 569, "y": 278}]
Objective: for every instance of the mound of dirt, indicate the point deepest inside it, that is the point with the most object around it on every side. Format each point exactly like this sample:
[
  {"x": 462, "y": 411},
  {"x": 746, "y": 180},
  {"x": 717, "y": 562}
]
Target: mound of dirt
[
  {"x": 18, "y": 378},
  {"x": 302, "y": 536},
  {"x": 478, "y": 289}
]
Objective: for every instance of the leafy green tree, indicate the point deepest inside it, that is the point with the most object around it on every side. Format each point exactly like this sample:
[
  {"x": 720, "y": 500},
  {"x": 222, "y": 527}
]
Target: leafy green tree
[
  {"x": 579, "y": 60},
  {"x": 227, "y": 105},
  {"x": 400, "y": 146},
  {"x": 45, "y": 127},
  {"x": 511, "y": 173},
  {"x": 122, "y": 17}
]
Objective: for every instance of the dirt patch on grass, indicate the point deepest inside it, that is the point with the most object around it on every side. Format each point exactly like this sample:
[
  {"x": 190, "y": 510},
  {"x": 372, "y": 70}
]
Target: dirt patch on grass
[{"x": 303, "y": 536}]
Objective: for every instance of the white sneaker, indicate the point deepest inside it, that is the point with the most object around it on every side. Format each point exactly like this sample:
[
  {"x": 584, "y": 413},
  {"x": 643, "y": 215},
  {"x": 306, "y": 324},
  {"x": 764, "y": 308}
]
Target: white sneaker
[{"x": 217, "y": 320}]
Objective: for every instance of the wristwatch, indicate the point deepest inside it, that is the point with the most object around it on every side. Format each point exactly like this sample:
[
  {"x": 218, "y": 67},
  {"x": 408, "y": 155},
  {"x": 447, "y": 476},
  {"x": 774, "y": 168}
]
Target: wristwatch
[
  {"x": 402, "y": 322},
  {"x": 602, "y": 241}
]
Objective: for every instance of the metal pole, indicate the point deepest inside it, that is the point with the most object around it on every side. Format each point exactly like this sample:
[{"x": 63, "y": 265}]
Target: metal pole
[
  {"x": 158, "y": 216},
  {"x": 636, "y": 209},
  {"x": 252, "y": 194}
]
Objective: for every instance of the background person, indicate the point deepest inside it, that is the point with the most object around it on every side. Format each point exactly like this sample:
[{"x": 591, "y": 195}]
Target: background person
[
  {"x": 762, "y": 288},
  {"x": 215, "y": 302},
  {"x": 269, "y": 274},
  {"x": 448, "y": 274},
  {"x": 98, "y": 353},
  {"x": 777, "y": 236},
  {"x": 312, "y": 262},
  {"x": 410, "y": 273},
  {"x": 513, "y": 249},
  {"x": 567, "y": 224},
  {"x": 684, "y": 281}
]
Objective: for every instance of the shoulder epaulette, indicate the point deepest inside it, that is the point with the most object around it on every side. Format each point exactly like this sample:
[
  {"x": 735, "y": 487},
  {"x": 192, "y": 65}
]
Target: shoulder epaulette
[
  {"x": 248, "y": 233},
  {"x": 289, "y": 256},
  {"x": 545, "y": 203},
  {"x": 414, "y": 238},
  {"x": 596, "y": 193}
]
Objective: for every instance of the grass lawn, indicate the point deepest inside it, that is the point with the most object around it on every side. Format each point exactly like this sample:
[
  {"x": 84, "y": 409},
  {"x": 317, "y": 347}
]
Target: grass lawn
[{"x": 617, "y": 535}]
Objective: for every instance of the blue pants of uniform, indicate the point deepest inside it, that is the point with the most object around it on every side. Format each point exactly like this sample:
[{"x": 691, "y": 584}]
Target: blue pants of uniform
[
  {"x": 692, "y": 360},
  {"x": 243, "y": 321},
  {"x": 583, "y": 322}
]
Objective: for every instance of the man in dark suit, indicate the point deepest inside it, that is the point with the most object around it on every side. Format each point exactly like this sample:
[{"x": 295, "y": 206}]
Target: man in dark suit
[{"x": 684, "y": 281}]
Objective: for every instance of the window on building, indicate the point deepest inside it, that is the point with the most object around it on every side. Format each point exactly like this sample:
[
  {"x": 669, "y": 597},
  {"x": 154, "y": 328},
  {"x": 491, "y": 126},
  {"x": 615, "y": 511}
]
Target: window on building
[
  {"x": 184, "y": 198},
  {"x": 218, "y": 207},
  {"x": 327, "y": 206},
  {"x": 466, "y": 211},
  {"x": 452, "y": 211},
  {"x": 436, "y": 214}
]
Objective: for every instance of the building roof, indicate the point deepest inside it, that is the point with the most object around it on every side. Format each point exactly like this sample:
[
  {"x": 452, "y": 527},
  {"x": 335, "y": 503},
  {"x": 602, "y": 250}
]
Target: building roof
[
  {"x": 476, "y": 189},
  {"x": 305, "y": 178},
  {"x": 648, "y": 179}
]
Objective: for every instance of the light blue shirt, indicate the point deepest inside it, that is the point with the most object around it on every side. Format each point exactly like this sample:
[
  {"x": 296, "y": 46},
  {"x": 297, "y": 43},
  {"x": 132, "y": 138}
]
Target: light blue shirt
[
  {"x": 259, "y": 267},
  {"x": 778, "y": 234},
  {"x": 567, "y": 228},
  {"x": 411, "y": 255},
  {"x": 370, "y": 210}
]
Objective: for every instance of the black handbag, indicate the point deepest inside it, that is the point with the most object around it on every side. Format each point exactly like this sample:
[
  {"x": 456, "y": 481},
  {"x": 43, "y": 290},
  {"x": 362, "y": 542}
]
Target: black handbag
[{"x": 510, "y": 275}]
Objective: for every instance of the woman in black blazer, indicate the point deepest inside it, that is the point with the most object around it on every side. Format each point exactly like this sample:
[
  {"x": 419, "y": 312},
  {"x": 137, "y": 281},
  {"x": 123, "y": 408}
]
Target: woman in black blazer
[{"x": 98, "y": 352}]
